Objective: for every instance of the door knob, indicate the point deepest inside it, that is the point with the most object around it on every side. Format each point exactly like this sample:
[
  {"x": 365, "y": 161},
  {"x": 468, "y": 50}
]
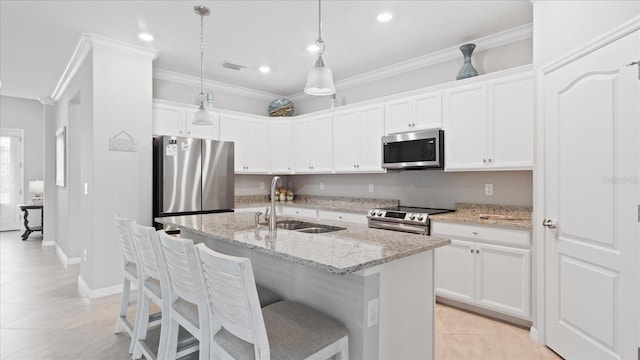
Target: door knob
[{"x": 549, "y": 223}]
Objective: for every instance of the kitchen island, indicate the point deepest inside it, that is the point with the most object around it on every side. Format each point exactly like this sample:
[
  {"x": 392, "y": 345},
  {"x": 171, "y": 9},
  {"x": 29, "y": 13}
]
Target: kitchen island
[{"x": 379, "y": 283}]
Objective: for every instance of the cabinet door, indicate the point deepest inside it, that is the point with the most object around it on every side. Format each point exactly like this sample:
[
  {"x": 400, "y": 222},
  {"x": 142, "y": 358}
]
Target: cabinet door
[
  {"x": 455, "y": 271},
  {"x": 346, "y": 141},
  {"x": 313, "y": 145},
  {"x": 256, "y": 146},
  {"x": 371, "y": 132},
  {"x": 231, "y": 129},
  {"x": 428, "y": 110},
  {"x": 168, "y": 120},
  {"x": 465, "y": 124},
  {"x": 202, "y": 131},
  {"x": 511, "y": 119},
  {"x": 503, "y": 279},
  {"x": 280, "y": 140},
  {"x": 399, "y": 116},
  {"x": 302, "y": 145}
]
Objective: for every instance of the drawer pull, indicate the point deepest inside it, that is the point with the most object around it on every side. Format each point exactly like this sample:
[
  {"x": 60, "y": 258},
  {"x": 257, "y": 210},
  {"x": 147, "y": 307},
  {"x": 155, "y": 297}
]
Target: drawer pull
[{"x": 471, "y": 251}]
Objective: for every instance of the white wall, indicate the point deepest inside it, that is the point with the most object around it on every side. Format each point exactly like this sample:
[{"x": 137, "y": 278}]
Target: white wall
[
  {"x": 172, "y": 91},
  {"x": 560, "y": 27},
  {"x": 485, "y": 61},
  {"x": 432, "y": 188},
  {"x": 25, "y": 114},
  {"x": 79, "y": 94}
]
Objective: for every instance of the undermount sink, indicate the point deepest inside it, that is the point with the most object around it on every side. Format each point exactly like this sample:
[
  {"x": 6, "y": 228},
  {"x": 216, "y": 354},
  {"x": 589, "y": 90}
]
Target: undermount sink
[{"x": 306, "y": 227}]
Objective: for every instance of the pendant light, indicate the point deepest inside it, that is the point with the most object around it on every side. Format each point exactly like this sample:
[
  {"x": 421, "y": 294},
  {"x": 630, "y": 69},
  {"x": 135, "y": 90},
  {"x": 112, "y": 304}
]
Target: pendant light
[
  {"x": 320, "y": 78},
  {"x": 202, "y": 116}
]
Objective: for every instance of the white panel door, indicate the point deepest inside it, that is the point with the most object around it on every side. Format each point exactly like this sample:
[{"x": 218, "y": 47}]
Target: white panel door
[
  {"x": 428, "y": 110},
  {"x": 320, "y": 144},
  {"x": 503, "y": 279},
  {"x": 591, "y": 164},
  {"x": 371, "y": 132},
  {"x": 455, "y": 271},
  {"x": 399, "y": 115},
  {"x": 231, "y": 129},
  {"x": 280, "y": 141},
  {"x": 202, "y": 131},
  {"x": 466, "y": 123},
  {"x": 346, "y": 140},
  {"x": 168, "y": 120},
  {"x": 511, "y": 118},
  {"x": 11, "y": 178},
  {"x": 302, "y": 145},
  {"x": 256, "y": 146}
]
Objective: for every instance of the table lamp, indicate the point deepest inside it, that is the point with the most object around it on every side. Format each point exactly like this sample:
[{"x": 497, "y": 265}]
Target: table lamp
[{"x": 36, "y": 187}]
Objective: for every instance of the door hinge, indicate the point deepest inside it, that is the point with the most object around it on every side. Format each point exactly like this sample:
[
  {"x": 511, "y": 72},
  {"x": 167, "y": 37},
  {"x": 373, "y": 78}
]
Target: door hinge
[{"x": 636, "y": 63}]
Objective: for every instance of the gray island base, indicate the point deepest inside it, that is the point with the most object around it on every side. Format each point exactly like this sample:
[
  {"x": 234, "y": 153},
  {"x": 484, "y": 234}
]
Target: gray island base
[{"x": 379, "y": 283}]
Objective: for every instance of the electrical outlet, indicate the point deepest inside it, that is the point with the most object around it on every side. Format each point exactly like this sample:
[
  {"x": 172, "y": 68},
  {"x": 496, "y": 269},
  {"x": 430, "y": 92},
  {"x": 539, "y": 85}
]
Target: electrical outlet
[
  {"x": 488, "y": 189},
  {"x": 261, "y": 185},
  {"x": 370, "y": 187},
  {"x": 321, "y": 186},
  {"x": 372, "y": 312}
]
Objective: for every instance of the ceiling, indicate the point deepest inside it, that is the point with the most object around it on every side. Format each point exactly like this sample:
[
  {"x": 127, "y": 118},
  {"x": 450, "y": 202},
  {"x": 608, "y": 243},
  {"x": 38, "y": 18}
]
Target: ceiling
[{"x": 37, "y": 38}]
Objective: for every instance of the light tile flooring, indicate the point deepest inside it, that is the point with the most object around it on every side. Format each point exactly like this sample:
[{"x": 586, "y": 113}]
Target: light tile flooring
[{"x": 44, "y": 316}]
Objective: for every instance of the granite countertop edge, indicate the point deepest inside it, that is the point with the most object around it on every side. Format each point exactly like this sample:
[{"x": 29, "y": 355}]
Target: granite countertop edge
[
  {"x": 433, "y": 243},
  {"x": 303, "y": 206}
]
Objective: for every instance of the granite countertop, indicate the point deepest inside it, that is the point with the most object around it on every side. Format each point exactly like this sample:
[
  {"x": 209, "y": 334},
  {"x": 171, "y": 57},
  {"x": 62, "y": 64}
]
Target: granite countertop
[
  {"x": 516, "y": 217},
  {"x": 346, "y": 251},
  {"x": 332, "y": 203}
]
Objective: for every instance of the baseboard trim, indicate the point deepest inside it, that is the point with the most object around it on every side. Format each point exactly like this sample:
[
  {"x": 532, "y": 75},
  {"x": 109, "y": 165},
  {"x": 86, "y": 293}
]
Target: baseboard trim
[
  {"x": 48, "y": 243},
  {"x": 527, "y": 324},
  {"x": 64, "y": 258},
  {"x": 97, "y": 293},
  {"x": 533, "y": 334}
]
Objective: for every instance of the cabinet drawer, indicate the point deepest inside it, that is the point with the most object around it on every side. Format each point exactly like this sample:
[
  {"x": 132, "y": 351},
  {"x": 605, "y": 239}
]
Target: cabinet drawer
[
  {"x": 294, "y": 211},
  {"x": 342, "y": 216},
  {"x": 520, "y": 238}
]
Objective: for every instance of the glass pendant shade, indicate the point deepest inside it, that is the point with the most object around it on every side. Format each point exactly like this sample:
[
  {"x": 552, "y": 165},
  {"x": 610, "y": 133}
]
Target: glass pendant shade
[
  {"x": 320, "y": 81},
  {"x": 202, "y": 117}
]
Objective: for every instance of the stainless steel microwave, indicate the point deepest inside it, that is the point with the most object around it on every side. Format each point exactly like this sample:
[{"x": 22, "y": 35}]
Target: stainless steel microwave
[{"x": 414, "y": 150}]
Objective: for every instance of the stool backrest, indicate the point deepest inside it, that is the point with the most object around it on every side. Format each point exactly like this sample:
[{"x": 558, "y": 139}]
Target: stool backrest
[
  {"x": 179, "y": 257},
  {"x": 143, "y": 238},
  {"x": 233, "y": 297},
  {"x": 124, "y": 236}
]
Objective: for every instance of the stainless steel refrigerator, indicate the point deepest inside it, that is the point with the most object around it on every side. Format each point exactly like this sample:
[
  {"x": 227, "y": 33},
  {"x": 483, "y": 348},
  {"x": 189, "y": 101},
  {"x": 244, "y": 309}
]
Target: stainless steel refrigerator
[{"x": 192, "y": 176}]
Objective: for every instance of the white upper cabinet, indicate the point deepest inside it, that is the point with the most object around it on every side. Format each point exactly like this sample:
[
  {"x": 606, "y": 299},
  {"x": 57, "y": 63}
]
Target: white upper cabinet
[
  {"x": 280, "y": 138},
  {"x": 177, "y": 121},
  {"x": 251, "y": 142},
  {"x": 312, "y": 144},
  {"x": 414, "y": 113},
  {"x": 356, "y": 139},
  {"x": 489, "y": 124}
]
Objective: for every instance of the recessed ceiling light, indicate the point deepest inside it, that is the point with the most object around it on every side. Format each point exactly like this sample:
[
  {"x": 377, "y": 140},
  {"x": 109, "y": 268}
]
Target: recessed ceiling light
[
  {"x": 385, "y": 17},
  {"x": 313, "y": 48},
  {"x": 145, "y": 36},
  {"x": 264, "y": 69}
]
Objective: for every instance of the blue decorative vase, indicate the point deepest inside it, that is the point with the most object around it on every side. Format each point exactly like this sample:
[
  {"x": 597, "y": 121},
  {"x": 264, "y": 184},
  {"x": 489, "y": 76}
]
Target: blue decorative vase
[
  {"x": 281, "y": 107},
  {"x": 467, "y": 70}
]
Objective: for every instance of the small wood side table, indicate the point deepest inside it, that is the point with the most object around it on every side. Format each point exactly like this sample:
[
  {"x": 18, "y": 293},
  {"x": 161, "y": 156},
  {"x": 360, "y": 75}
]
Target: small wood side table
[{"x": 29, "y": 230}]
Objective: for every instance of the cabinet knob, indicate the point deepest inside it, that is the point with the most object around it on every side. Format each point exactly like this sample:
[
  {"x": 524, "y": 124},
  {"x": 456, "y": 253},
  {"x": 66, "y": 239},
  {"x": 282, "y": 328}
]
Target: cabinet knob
[
  {"x": 489, "y": 160},
  {"x": 484, "y": 161},
  {"x": 477, "y": 251},
  {"x": 340, "y": 217},
  {"x": 471, "y": 251},
  {"x": 475, "y": 233}
]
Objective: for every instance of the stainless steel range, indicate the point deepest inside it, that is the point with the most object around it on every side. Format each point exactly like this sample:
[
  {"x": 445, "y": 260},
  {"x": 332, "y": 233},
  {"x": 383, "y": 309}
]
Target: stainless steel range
[{"x": 403, "y": 218}]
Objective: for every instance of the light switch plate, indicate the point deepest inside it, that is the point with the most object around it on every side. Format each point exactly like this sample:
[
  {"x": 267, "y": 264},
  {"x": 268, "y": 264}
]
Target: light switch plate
[
  {"x": 321, "y": 186},
  {"x": 373, "y": 312},
  {"x": 370, "y": 187},
  {"x": 488, "y": 189}
]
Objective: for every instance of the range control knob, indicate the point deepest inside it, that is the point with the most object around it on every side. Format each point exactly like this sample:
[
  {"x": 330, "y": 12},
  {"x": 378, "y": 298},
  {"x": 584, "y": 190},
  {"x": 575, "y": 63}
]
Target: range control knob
[
  {"x": 379, "y": 212},
  {"x": 420, "y": 217},
  {"x": 372, "y": 212},
  {"x": 411, "y": 216}
]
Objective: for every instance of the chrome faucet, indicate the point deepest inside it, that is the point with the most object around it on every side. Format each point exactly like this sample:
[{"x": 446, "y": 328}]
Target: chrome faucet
[{"x": 272, "y": 209}]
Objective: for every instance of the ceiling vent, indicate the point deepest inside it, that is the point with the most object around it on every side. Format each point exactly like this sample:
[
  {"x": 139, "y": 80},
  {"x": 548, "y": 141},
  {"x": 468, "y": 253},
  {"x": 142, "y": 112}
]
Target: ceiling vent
[{"x": 233, "y": 66}]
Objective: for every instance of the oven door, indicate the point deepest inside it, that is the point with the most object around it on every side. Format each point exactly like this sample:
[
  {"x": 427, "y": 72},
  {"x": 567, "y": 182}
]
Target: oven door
[{"x": 417, "y": 150}]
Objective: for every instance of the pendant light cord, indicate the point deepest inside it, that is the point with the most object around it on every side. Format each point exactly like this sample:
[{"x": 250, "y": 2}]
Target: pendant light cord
[{"x": 201, "y": 59}]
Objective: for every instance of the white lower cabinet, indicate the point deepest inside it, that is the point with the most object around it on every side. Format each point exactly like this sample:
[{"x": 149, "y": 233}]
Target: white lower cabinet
[
  {"x": 342, "y": 216},
  {"x": 486, "y": 267}
]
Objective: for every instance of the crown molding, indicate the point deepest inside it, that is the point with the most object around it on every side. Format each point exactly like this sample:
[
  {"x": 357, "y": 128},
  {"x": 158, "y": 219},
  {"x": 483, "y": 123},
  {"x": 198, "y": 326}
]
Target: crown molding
[
  {"x": 86, "y": 43},
  {"x": 492, "y": 41},
  {"x": 47, "y": 100},
  {"x": 194, "y": 81}
]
